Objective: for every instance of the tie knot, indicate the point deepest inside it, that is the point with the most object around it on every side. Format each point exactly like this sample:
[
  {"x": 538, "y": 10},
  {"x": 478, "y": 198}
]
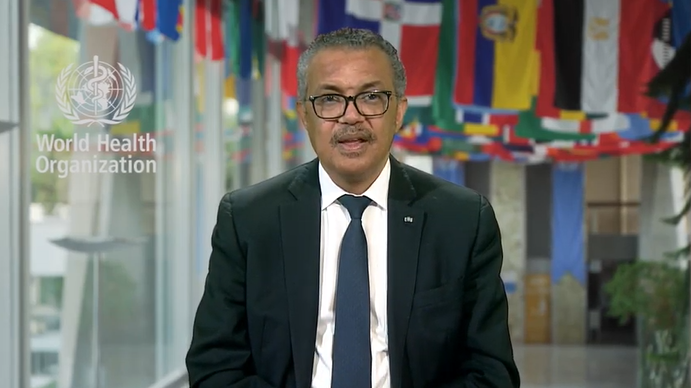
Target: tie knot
[{"x": 355, "y": 205}]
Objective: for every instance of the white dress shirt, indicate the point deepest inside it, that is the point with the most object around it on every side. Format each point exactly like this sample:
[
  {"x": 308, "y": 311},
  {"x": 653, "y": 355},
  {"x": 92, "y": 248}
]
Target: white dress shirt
[{"x": 334, "y": 221}]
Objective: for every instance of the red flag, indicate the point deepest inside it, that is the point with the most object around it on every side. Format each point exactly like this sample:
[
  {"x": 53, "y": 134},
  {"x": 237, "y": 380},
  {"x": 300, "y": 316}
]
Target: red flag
[
  {"x": 636, "y": 61},
  {"x": 545, "y": 45},
  {"x": 123, "y": 11},
  {"x": 209, "y": 29},
  {"x": 289, "y": 35},
  {"x": 466, "y": 32},
  {"x": 147, "y": 14},
  {"x": 108, "y": 5}
]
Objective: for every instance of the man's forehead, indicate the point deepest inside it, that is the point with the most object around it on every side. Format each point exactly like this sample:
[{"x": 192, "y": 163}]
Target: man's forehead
[
  {"x": 351, "y": 85},
  {"x": 337, "y": 68}
]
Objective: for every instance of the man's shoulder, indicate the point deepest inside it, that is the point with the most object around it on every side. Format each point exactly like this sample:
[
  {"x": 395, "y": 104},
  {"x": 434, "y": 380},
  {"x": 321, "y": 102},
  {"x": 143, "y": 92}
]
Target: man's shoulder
[{"x": 267, "y": 192}]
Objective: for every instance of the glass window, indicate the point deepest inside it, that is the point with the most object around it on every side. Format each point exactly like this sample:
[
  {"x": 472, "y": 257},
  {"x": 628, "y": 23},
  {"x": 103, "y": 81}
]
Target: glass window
[{"x": 111, "y": 235}]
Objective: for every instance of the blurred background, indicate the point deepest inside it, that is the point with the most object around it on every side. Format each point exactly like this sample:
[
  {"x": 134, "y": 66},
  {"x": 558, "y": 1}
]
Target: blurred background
[{"x": 572, "y": 117}]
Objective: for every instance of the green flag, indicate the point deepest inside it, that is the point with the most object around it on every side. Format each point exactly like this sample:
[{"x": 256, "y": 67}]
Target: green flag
[
  {"x": 443, "y": 111},
  {"x": 530, "y": 126}
]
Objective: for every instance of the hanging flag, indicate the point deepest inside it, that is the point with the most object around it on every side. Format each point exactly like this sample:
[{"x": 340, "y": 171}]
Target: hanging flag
[
  {"x": 169, "y": 18},
  {"x": 468, "y": 138},
  {"x": 209, "y": 29},
  {"x": 289, "y": 11},
  {"x": 586, "y": 33},
  {"x": 545, "y": 47},
  {"x": 642, "y": 129},
  {"x": 146, "y": 15},
  {"x": 241, "y": 37},
  {"x": 414, "y": 138},
  {"x": 483, "y": 123},
  {"x": 662, "y": 43},
  {"x": 472, "y": 121},
  {"x": 568, "y": 193},
  {"x": 443, "y": 113},
  {"x": 259, "y": 38},
  {"x": 495, "y": 54},
  {"x": 282, "y": 31},
  {"x": 530, "y": 126},
  {"x": 614, "y": 144},
  {"x": 603, "y": 57},
  {"x": 615, "y": 122},
  {"x": 127, "y": 13},
  {"x": 108, "y": 5},
  {"x": 636, "y": 41},
  {"x": 465, "y": 18},
  {"x": 231, "y": 17},
  {"x": 94, "y": 14},
  {"x": 411, "y": 26},
  {"x": 123, "y": 11}
]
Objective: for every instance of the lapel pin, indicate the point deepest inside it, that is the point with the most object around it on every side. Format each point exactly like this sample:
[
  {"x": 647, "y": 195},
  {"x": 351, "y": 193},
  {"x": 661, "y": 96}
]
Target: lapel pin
[{"x": 408, "y": 219}]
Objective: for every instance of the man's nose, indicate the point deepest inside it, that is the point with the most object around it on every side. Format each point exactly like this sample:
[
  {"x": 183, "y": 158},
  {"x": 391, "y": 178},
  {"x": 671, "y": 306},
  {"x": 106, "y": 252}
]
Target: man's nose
[{"x": 351, "y": 114}]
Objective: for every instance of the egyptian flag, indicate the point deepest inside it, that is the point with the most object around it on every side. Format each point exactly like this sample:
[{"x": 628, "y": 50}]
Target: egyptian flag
[{"x": 600, "y": 53}]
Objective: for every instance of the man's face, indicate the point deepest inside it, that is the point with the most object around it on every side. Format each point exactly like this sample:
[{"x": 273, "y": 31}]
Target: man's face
[{"x": 353, "y": 145}]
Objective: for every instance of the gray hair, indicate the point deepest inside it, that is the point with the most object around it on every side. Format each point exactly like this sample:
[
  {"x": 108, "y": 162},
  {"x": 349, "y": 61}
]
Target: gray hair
[{"x": 352, "y": 38}]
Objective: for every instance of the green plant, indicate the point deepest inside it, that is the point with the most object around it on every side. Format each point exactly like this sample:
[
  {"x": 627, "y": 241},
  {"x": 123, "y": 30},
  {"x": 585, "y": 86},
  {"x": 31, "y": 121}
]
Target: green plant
[{"x": 657, "y": 293}]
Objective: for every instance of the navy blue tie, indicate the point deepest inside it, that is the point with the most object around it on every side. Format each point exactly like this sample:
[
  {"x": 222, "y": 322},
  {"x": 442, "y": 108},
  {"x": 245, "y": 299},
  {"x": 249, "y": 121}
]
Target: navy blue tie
[{"x": 352, "y": 357}]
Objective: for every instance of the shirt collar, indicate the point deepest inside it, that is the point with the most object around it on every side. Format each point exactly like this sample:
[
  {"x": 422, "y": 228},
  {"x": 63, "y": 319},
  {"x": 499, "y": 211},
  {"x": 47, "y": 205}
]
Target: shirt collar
[{"x": 377, "y": 192}]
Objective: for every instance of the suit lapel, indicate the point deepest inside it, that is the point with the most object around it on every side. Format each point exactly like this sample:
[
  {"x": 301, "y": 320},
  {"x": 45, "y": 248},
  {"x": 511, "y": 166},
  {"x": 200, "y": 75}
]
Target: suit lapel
[
  {"x": 300, "y": 231},
  {"x": 405, "y": 224}
]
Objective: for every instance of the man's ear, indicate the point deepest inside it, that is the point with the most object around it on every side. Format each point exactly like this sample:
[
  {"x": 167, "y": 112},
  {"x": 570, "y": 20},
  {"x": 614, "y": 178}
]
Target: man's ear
[
  {"x": 302, "y": 114},
  {"x": 401, "y": 108}
]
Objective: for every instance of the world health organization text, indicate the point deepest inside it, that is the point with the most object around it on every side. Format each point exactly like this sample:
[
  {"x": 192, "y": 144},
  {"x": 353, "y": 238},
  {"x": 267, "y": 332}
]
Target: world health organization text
[{"x": 96, "y": 153}]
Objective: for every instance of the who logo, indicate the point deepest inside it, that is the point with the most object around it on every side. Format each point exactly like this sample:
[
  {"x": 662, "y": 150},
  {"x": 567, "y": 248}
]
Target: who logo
[{"x": 96, "y": 93}]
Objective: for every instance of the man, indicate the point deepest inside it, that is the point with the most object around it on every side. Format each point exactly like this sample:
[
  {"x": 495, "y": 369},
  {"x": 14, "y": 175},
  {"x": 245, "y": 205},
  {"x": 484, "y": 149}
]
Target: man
[{"x": 353, "y": 270}]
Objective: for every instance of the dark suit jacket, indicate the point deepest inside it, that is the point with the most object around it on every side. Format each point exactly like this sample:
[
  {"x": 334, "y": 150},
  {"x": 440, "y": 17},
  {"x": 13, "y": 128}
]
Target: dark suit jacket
[{"x": 447, "y": 310}]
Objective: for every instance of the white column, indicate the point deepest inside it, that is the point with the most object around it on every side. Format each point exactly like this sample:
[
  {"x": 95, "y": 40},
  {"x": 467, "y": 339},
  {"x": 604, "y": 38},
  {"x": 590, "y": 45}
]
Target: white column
[
  {"x": 662, "y": 196},
  {"x": 183, "y": 263},
  {"x": 507, "y": 195},
  {"x": 213, "y": 157},
  {"x": 14, "y": 143},
  {"x": 274, "y": 127},
  {"x": 162, "y": 216}
]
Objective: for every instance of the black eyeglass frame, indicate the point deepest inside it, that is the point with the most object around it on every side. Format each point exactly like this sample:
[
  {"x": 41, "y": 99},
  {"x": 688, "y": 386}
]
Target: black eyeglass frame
[{"x": 348, "y": 100}]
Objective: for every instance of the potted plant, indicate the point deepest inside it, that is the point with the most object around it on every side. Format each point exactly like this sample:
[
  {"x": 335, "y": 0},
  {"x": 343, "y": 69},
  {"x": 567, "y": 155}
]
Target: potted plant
[{"x": 657, "y": 294}]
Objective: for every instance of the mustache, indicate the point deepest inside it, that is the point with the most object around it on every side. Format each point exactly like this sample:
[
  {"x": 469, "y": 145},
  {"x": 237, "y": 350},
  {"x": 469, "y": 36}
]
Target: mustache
[{"x": 352, "y": 132}]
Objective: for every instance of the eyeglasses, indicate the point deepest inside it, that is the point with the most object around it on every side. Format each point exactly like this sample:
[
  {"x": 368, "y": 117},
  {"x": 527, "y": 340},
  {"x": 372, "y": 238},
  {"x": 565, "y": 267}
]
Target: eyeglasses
[{"x": 334, "y": 106}]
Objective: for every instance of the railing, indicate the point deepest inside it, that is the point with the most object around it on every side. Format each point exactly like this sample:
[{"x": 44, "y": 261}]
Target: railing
[{"x": 176, "y": 379}]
